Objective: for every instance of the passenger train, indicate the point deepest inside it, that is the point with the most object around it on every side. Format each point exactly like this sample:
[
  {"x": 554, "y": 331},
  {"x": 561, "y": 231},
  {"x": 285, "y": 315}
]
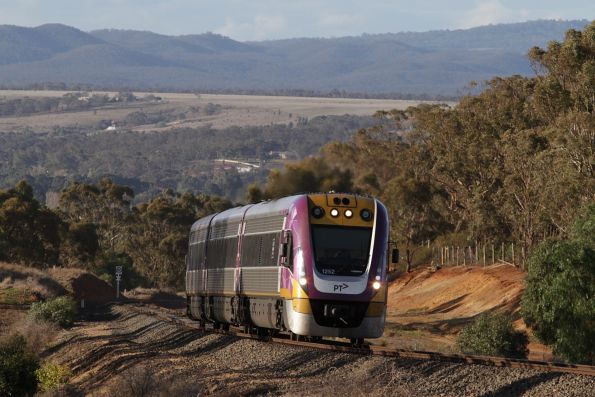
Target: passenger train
[{"x": 313, "y": 265}]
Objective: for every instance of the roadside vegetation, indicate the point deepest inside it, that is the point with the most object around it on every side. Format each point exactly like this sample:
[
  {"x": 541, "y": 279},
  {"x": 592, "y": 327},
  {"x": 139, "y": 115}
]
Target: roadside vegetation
[
  {"x": 60, "y": 311},
  {"x": 17, "y": 367},
  {"x": 493, "y": 335},
  {"x": 558, "y": 301},
  {"x": 22, "y": 372}
]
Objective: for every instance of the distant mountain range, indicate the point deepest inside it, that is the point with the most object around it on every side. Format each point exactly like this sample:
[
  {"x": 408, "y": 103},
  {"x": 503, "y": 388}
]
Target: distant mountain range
[{"x": 433, "y": 63}]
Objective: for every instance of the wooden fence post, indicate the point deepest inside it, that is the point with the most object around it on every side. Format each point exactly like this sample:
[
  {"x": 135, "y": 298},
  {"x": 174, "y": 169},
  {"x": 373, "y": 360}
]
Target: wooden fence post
[
  {"x": 502, "y": 252},
  {"x": 523, "y": 256},
  {"x": 457, "y": 262}
]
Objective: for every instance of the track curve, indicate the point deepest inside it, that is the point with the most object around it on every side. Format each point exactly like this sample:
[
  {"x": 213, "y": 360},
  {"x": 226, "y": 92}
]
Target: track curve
[{"x": 578, "y": 369}]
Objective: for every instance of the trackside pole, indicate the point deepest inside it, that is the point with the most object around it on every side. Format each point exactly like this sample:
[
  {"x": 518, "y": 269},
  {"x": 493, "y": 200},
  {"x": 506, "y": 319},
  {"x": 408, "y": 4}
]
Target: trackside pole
[{"x": 118, "y": 278}]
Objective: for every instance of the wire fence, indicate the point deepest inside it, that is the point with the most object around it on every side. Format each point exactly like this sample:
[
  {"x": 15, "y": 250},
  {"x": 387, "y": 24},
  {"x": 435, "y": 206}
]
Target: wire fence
[{"x": 480, "y": 254}]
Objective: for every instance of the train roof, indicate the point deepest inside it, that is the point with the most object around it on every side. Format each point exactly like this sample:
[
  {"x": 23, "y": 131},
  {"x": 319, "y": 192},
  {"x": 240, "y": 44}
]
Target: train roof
[{"x": 257, "y": 210}]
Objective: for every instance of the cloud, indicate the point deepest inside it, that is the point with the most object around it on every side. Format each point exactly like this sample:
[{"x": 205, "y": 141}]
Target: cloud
[
  {"x": 488, "y": 12},
  {"x": 260, "y": 27}
]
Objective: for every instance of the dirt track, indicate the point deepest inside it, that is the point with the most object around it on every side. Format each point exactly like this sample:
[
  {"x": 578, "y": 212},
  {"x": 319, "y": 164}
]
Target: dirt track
[{"x": 119, "y": 348}]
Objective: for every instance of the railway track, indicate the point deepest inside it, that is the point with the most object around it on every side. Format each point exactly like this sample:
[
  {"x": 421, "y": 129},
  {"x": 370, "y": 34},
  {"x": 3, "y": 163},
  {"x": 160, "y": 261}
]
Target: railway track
[{"x": 544, "y": 366}]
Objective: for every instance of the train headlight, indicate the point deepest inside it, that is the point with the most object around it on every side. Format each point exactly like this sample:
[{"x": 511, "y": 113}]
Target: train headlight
[
  {"x": 318, "y": 212},
  {"x": 376, "y": 285},
  {"x": 348, "y": 214},
  {"x": 366, "y": 214},
  {"x": 334, "y": 212},
  {"x": 303, "y": 281}
]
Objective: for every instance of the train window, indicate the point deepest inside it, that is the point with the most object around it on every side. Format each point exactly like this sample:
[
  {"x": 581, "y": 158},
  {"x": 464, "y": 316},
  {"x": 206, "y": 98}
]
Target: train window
[
  {"x": 260, "y": 250},
  {"x": 341, "y": 251}
]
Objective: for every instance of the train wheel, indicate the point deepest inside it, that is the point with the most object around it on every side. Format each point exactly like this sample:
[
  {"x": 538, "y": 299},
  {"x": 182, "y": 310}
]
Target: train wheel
[
  {"x": 357, "y": 342},
  {"x": 216, "y": 325},
  {"x": 225, "y": 327}
]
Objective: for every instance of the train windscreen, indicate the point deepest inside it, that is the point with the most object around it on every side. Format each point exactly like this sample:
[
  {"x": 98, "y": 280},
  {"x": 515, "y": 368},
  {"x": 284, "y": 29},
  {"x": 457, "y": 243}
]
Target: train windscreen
[{"x": 341, "y": 251}]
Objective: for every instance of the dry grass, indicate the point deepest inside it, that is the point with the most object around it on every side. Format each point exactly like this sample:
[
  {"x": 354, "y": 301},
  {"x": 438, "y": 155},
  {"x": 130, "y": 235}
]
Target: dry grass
[
  {"x": 242, "y": 110},
  {"x": 26, "y": 281},
  {"x": 385, "y": 380},
  {"x": 140, "y": 381},
  {"x": 38, "y": 334}
]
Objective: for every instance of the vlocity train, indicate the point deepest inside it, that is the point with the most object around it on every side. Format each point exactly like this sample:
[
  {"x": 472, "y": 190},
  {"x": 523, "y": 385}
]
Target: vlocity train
[{"x": 312, "y": 264}]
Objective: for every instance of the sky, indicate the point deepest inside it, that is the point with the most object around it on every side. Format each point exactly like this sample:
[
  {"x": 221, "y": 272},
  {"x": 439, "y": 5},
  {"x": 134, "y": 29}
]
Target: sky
[{"x": 255, "y": 20}]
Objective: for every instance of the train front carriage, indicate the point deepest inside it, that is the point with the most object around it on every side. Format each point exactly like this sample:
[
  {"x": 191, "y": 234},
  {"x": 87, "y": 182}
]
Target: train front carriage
[{"x": 313, "y": 265}]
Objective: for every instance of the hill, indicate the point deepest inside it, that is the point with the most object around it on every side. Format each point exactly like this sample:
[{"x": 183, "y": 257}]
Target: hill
[{"x": 431, "y": 63}]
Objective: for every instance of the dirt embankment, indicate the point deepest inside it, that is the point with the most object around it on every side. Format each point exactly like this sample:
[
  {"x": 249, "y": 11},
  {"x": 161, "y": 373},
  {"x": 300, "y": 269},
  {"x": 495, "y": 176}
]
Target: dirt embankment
[
  {"x": 448, "y": 298},
  {"x": 22, "y": 284},
  {"x": 427, "y": 309}
]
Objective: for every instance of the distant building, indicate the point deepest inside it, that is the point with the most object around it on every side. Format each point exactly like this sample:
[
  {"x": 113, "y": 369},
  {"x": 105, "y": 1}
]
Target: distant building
[
  {"x": 241, "y": 167},
  {"x": 112, "y": 127}
]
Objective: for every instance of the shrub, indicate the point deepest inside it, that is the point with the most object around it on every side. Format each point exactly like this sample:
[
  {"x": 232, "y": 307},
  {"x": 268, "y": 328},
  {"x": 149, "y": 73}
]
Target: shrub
[
  {"x": 144, "y": 382},
  {"x": 60, "y": 310},
  {"x": 52, "y": 376},
  {"x": 558, "y": 300},
  {"x": 139, "y": 381},
  {"x": 37, "y": 334},
  {"x": 493, "y": 335},
  {"x": 17, "y": 367}
]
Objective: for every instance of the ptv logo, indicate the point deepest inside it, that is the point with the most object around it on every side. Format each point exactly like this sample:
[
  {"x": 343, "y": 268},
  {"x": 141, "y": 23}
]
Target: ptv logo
[{"x": 340, "y": 287}]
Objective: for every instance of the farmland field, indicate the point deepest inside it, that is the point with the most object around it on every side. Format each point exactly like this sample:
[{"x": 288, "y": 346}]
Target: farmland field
[{"x": 229, "y": 110}]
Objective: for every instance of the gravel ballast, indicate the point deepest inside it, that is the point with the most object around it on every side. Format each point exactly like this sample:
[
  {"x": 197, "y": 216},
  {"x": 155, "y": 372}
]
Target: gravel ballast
[{"x": 120, "y": 350}]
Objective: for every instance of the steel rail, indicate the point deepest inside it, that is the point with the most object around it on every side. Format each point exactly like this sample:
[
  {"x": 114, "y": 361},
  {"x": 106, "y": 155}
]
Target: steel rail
[{"x": 501, "y": 362}]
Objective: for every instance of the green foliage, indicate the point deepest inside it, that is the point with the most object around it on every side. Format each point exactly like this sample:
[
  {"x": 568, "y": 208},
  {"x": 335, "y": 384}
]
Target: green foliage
[
  {"x": 52, "y": 376},
  {"x": 29, "y": 232},
  {"x": 17, "y": 367},
  {"x": 80, "y": 245},
  {"x": 558, "y": 300},
  {"x": 583, "y": 228},
  {"x": 493, "y": 335},
  {"x": 61, "y": 310}
]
